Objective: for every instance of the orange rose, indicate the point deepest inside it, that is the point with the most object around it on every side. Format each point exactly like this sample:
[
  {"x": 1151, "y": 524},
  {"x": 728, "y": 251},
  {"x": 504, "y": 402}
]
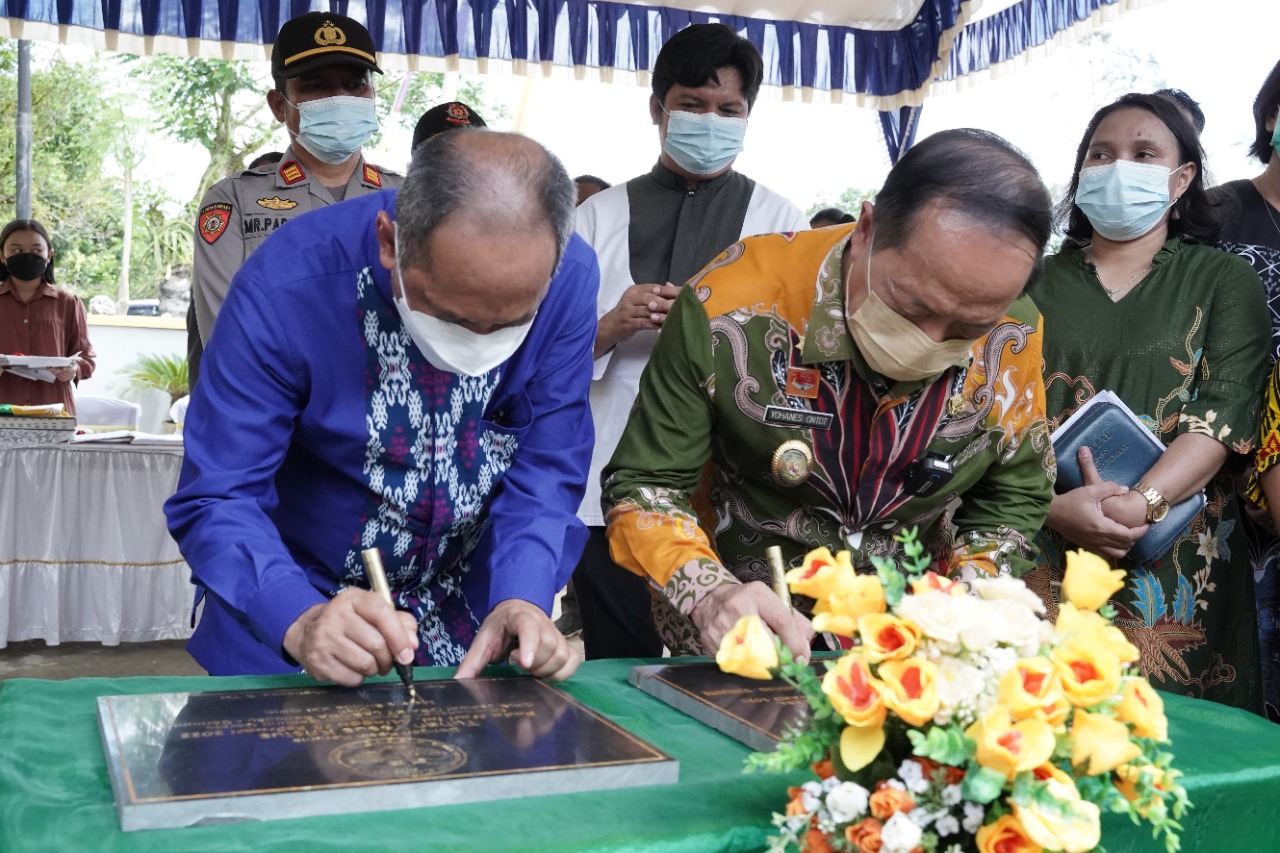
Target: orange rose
[
  {"x": 816, "y": 842},
  {"x": 1006, "y": 835},
  {"x": 824, "y": 769},
  {"x": 911, "y": 689},
  {"x": 887, "y": 637},
  {"x": 888, "y": 801},
  {"x": 930, "y": 768},
  {"x": 865, "y": 835},
  {"x": 795, "y": 806}
]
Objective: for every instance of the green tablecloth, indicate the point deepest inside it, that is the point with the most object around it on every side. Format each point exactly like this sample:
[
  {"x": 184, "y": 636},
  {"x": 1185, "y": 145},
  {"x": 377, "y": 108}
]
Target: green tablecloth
[{"x": 55, "y": 794}]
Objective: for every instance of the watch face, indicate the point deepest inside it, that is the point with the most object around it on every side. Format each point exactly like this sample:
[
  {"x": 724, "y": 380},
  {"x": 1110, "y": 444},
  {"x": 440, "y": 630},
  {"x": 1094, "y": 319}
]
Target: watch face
[{"x": 1159, "y": 511}]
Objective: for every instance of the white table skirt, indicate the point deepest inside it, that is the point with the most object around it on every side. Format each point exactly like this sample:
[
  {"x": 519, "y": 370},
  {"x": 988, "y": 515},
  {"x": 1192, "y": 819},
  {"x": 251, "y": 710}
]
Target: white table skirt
[{"x": 84, "y": 551}]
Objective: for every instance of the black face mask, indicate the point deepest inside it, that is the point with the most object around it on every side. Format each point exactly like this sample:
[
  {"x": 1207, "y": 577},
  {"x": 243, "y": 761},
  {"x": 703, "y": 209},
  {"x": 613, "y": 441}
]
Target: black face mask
[{"x": 26, "y": 266}]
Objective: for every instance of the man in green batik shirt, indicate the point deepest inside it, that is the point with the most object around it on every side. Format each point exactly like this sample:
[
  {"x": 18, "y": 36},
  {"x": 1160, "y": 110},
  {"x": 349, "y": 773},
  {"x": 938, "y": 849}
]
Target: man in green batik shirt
[{"x": 846, "y": 384}]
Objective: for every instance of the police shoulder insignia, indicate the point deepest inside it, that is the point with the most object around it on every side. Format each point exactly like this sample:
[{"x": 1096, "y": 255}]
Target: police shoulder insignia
[
  {"x": 213, "y": 221},
  {"x": 277, "y": 203},
  {"x": 291, "y": 172},
  {"x": 372, "y": 175}
]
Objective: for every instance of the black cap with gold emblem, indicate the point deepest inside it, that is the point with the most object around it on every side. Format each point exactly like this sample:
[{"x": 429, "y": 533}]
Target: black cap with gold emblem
[{"x": 320, "y": 38}]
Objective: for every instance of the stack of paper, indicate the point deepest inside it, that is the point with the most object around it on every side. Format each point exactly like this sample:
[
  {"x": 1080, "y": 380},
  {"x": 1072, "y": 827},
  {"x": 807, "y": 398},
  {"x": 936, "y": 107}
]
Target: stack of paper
[
  {"x": 129, "y": 436},
  {"x": 37, "y": 367}
]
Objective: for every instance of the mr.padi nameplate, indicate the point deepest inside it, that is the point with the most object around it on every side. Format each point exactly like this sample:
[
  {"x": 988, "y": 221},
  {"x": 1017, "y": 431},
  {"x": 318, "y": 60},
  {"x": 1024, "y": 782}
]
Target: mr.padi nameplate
[
  {"x": 186, "y": 759},
  {"x": 753, "y": 712}
]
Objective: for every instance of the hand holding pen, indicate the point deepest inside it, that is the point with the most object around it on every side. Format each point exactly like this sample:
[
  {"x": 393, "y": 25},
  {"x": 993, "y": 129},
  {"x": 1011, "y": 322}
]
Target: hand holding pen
[{"x": 378, "y": 581}]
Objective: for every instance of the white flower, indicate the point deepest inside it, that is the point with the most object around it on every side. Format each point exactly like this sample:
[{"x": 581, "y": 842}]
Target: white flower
[
  {"x": 811, "y": 796},
  {"x": 913, "y": 777},
  {"x": 899, "y": 834},
  {"x": 974, "y": 814},
  {"x": 946, "y": 825},
  {"x": 954, "y": 848},
  {"x": 1007, "y": 588},
  {"x": 894, "y": 783},
  {"x": 938, "y": 615},
  {"x": 847, "y": 802},
  {"x": 958, "y": 682},
  {"x": 951, "y": 795}
]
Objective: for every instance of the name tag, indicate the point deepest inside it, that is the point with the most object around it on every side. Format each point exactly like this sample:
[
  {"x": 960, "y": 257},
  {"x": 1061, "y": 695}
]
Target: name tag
[{"x": 781, "y": 416}]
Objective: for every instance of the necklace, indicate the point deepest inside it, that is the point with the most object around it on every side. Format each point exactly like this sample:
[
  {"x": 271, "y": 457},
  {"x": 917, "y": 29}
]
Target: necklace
[
  {"x": 1266, "y": 205},
  {"x": 1134, "y": 279}
]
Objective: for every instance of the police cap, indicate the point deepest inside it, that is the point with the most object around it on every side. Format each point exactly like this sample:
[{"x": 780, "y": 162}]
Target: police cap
[
  {"x": 315, "y": 39},
  {"x": 444, "y": 117}
]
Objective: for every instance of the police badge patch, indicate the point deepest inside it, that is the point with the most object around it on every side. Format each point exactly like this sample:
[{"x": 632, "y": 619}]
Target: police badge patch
[{"x": 213, "y": 221}]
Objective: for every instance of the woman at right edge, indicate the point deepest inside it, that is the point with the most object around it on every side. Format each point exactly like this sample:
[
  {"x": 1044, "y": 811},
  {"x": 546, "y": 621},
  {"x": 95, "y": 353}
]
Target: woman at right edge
[{"x": 1138, "y": 302}]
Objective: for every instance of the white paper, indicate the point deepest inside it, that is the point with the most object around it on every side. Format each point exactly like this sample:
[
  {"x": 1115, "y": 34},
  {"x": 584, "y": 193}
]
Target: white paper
[{"x": 36, "y": 367}]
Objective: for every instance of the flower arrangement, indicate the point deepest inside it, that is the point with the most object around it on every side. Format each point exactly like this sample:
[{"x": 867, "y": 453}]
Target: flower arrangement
[{"x": 959, "y": 720}]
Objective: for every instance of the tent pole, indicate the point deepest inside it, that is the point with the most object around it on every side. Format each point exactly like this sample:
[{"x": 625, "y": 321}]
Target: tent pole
[{"x": 23, "y": 166}]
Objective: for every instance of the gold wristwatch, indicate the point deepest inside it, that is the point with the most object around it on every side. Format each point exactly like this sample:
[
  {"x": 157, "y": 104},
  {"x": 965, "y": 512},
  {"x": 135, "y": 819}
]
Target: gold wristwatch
[{"x": 1157, "y": 506}]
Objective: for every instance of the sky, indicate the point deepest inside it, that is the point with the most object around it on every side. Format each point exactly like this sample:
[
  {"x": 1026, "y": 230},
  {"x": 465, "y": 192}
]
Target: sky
[{"x": 1217, "y": 50}]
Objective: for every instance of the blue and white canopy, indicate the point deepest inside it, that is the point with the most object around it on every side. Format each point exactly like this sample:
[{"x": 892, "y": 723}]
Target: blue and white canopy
[{"x": 886, "y": 54}]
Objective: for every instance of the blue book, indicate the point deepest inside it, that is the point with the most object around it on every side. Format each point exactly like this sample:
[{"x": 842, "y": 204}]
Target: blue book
[{"x": 1124, "y": 450}]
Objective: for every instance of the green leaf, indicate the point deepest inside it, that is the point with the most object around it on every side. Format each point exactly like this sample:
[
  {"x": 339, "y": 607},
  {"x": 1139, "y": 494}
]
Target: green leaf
[
  {"x": 944, "y": 744},
  {"x": 981, "y": 784}
]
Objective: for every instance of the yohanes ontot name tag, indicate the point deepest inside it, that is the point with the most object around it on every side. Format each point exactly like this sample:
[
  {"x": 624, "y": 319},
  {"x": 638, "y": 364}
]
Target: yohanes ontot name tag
[{"x": 782, "y": 416}]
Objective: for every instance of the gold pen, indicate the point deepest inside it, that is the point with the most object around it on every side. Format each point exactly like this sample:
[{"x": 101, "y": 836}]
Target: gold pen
[
  {"x": 778, "y": 572},
  {"x": 378, "y": 581}
]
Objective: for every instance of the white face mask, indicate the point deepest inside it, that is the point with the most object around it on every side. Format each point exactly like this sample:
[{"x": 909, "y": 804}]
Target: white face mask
[{"x": 450, "y": 347}]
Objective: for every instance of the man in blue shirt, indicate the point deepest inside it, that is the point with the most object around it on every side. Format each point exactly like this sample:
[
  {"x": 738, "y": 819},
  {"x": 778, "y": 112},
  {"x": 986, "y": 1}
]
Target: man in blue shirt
[{"x": 408, "y": 372}]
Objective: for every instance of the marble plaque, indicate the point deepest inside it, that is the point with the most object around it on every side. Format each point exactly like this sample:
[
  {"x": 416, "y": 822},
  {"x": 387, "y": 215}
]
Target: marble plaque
[
  {"x": 750, "y": 711},
  {"x": 187, "y": 759}
]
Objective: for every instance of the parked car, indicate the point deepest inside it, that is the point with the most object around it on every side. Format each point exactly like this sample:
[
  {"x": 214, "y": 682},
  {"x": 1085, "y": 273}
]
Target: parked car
[{"x": 144, "y": 308}]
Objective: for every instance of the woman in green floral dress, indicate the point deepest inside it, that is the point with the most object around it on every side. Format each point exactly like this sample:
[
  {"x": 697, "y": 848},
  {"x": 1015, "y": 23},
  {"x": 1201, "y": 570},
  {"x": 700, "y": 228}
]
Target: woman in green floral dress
[{"x": 1137, "y": 302}]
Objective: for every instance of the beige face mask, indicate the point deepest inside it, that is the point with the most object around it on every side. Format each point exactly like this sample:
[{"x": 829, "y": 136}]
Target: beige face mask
[{"x": 894, "y": 346}]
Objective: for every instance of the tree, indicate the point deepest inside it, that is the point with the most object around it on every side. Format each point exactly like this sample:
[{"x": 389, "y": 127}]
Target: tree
[
  {"x": 849, "y": 201},
  {"x": 221, "y": 105}
]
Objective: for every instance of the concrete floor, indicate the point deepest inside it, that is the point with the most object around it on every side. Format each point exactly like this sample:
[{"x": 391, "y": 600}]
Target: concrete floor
[{"x": 35, "y": 659}]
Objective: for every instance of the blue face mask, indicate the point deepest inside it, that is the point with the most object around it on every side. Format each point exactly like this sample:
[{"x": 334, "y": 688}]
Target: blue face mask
[
  {"x": 334, "y": 128},
  {"x": 1124, "y": 200},
  {"x": 703, "y": 143}
]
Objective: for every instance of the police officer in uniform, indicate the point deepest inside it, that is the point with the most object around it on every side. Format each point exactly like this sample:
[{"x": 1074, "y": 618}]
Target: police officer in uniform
[{"x": 321, "y": 65}]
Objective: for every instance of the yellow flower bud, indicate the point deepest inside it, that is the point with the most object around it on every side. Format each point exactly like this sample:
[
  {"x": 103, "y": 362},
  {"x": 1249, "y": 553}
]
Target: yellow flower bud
[
  {"x": 748, "y": 650},
  {"x": 1142, "y": 708},
  {"x": 1089, "y": 580},
  {"x": 1100, "y": 744}
]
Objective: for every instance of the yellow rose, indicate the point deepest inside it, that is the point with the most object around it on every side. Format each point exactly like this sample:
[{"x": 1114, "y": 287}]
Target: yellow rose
[
  {"x": 839, "y": 612},
  {"x": 1075, "y": 829},
  {"x": 1089, "y": 580},
  {"x": 1074, "y": 621},
  {"x": 910, "y": 689},
  {"x": 934, "y": 582},
  {"x": 1100, "y": 743},
  {"x": 748, "y": 650},
  {"x": 1142, "y": 708},
  {"x": 887, "y": 637},
  {"x": 1032, "y": 689},
  {"x": 1008, "y": 747},
  {"x": 1005, "y": 835},
  {"x": 820, "y": 574},
  {"x": 854, "y": 694},
  {"x": 1087, "y": 668}
]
